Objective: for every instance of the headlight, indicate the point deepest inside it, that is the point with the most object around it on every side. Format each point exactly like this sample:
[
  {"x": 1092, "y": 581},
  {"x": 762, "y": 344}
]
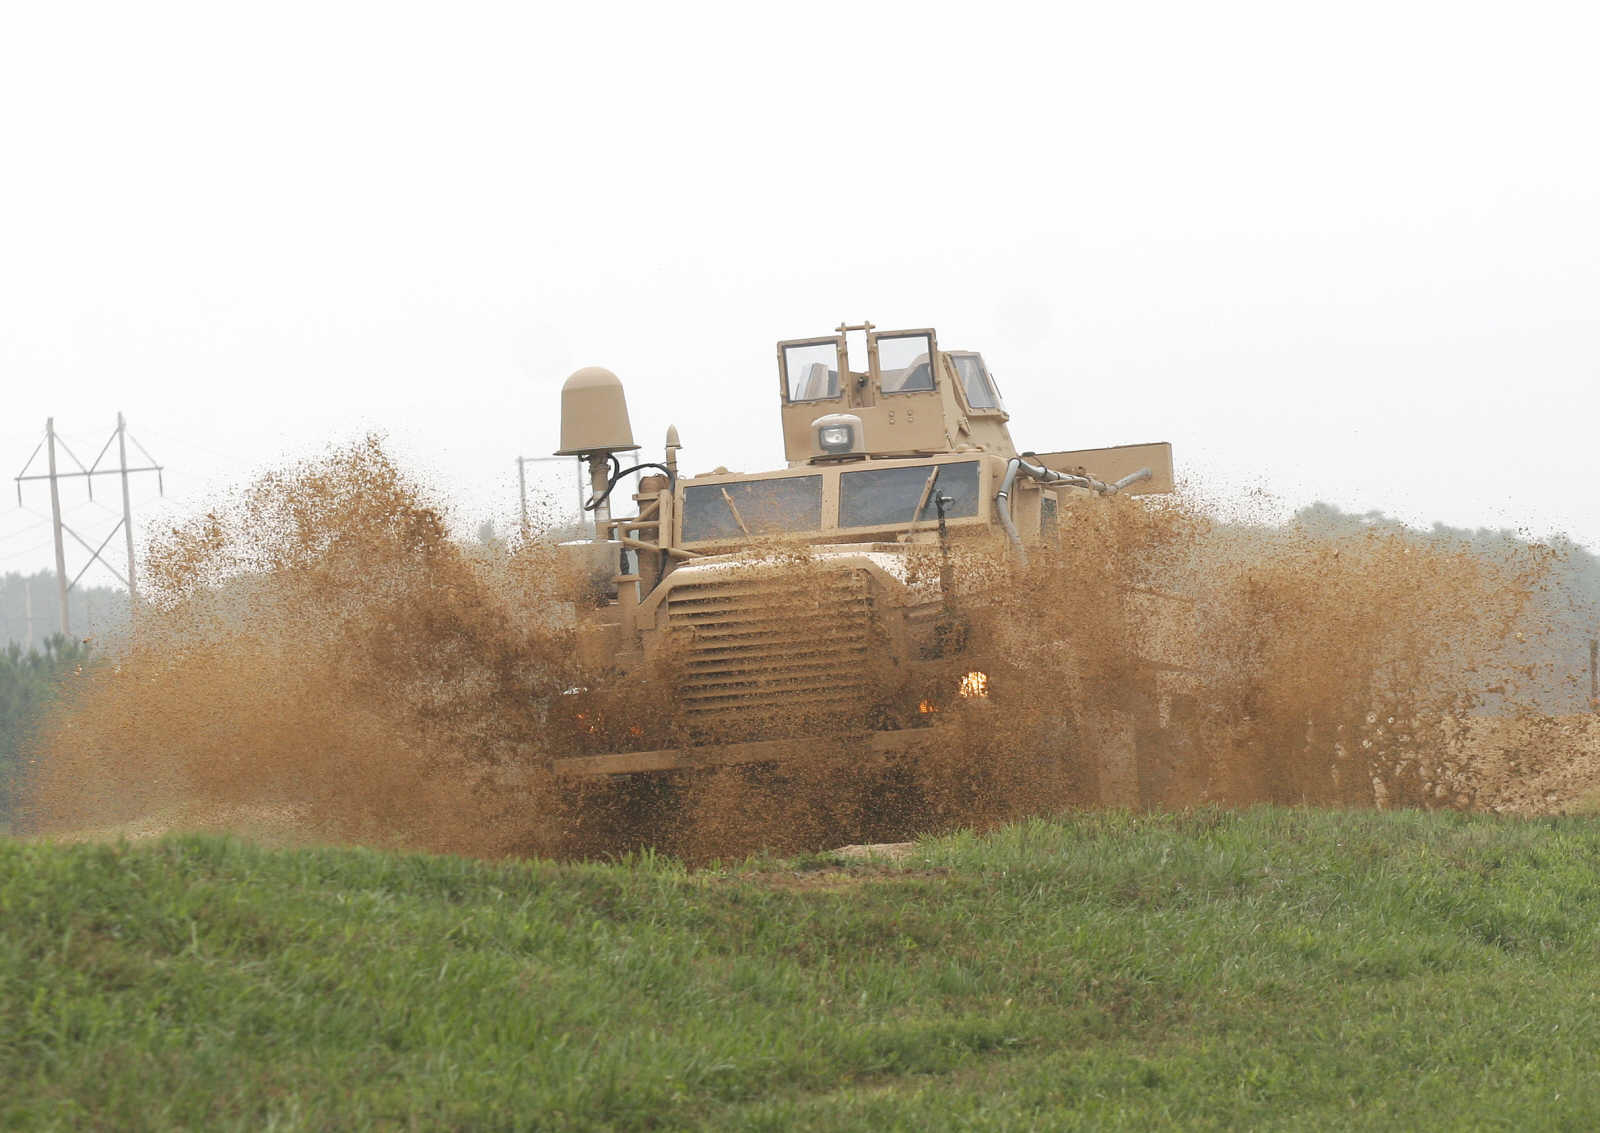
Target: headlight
[
  {"x": 835, "y": 438},
  {"x": 838, "y": 434}
]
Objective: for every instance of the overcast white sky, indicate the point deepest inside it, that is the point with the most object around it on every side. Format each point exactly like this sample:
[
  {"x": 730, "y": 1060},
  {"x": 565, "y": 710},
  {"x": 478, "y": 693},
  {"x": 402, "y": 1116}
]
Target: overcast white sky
[{"x": 1347, "y": 252}]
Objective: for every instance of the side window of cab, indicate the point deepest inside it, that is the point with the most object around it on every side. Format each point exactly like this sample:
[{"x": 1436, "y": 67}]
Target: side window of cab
[{"x": 976, "y": 383}]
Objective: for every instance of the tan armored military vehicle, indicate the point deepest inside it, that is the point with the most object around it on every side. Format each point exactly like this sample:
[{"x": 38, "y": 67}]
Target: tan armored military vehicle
[{"x": 766, "y": 613}]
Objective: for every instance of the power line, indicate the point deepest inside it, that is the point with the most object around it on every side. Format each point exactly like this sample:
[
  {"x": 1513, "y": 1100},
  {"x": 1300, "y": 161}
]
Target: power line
[
  {"x": 162, "y": 437},
  {"x": 7, "y": 557},
  {"x": 85, "y": 505},
  {"x": 18, "y": 532}
]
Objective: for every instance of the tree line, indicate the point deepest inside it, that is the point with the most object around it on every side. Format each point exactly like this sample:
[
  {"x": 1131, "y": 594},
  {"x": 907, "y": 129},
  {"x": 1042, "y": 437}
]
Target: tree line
[
  {"x": 1565, "y": 613},
  {"x": 28, "y": 682},
  {"x": 30, "y": 609}
]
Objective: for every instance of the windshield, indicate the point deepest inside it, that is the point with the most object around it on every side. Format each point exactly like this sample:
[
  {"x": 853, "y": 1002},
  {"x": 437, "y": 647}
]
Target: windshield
[
  {"x": 903, "y": 363},
  {"x": 891, "y": 497},
  {"x": 812, "y": 370},
  {"x": 751, "y": 507},
  {"x": 975, "y": 379}
]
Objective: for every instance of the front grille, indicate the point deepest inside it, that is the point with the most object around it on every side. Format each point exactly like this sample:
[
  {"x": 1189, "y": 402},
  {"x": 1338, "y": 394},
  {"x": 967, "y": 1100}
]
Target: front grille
[{"x": 772, "y": 650}]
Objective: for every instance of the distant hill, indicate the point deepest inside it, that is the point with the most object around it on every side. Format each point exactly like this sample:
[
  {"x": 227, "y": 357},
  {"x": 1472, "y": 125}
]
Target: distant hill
[{"x": 1567, "y": 612}]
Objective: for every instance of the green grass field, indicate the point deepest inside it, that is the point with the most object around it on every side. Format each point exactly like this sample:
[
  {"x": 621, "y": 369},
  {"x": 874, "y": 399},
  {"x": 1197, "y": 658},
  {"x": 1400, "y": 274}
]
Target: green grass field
[{"x": 1264, "y": 969}]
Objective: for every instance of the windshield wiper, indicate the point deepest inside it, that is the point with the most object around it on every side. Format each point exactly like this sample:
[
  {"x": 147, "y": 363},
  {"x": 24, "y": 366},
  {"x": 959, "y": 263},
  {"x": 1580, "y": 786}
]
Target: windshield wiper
[
  {"x": 922, "y": 503},
  {"x": 737, "y": 518}
]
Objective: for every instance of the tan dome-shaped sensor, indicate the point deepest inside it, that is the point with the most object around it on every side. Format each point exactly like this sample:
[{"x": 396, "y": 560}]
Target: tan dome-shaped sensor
[{"x": 594, "y": 414}]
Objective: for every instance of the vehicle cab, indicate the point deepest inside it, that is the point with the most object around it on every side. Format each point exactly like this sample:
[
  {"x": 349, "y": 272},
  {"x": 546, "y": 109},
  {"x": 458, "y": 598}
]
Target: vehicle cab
[
  {"x": 887, "y": 438},
  {"x": 906, "y": 397}
]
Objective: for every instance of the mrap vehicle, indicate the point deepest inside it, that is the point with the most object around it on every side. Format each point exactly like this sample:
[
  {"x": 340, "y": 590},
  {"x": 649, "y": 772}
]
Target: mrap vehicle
[{"x": 766, "y": 613}]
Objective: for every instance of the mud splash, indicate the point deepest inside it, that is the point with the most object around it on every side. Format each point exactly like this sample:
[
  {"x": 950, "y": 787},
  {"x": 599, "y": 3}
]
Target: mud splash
[
  {"x": 320, "y": 650},
  {"x": 320, "y": 661}
]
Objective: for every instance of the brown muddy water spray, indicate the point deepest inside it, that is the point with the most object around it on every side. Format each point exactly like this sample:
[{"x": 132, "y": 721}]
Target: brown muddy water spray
[{"x": 320, "y": 661}]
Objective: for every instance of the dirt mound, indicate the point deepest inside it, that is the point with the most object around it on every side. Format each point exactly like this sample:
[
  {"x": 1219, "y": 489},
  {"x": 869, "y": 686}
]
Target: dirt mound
[{"x": 319, "y": 647}]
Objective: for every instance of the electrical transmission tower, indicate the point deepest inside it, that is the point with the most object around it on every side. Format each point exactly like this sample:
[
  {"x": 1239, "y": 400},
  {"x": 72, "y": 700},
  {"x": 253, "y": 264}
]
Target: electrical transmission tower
[{"x": 50, "y": 443}]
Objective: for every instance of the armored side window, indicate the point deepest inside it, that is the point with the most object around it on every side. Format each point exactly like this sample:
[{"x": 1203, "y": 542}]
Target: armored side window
[{"x": 976, "y": 382}]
